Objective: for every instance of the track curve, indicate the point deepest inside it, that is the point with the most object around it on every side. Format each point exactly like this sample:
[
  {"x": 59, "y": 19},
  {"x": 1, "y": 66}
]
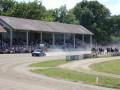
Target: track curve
[
  {"x": 84, "y": 66},
  {"x": 15, "y": 75}
]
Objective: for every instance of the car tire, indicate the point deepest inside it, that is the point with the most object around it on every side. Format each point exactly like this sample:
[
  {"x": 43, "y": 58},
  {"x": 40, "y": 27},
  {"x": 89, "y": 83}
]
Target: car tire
[{"x": 44, "y": 54}]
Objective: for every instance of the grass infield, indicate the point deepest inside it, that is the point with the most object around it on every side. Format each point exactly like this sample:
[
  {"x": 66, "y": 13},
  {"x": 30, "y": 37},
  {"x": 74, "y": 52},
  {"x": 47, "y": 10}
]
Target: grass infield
[
  {"x": 51, "y": 63},
  {"x": 104, "y": 56},
  {"x": 74, "y": 75},
  {"x": 107, "y": 67}
]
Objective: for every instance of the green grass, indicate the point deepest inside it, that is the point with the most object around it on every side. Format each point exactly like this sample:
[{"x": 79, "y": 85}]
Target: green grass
[
  {"x": 104, "y": 56},
  {"x": 51, "y": 63},
  {"x": 65, "y": 74},
  {"x": 108, "y": 67},
  {"x": 79, "y": 76}
]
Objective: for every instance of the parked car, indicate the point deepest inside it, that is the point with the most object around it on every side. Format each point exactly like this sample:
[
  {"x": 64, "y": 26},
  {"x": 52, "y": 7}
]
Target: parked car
[{"x": 38, "y": 52}]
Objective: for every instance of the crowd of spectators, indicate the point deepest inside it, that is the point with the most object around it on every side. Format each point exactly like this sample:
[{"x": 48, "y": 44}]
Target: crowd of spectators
[{"x": 19, "y": 45}]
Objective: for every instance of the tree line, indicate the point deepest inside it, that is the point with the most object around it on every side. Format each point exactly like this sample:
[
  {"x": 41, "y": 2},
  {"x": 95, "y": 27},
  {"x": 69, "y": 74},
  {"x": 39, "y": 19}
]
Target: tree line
[{"x": 91, "y": 14}]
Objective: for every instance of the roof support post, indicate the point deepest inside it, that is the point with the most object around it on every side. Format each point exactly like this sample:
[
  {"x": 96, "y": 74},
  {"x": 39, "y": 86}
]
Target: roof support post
[
  {"x": 74, "y": 41},
  {"x": 64, "y": 39},
  {"x": 53, "y": 39},
  {"x": 11, "y": 36},
  {"x": 1, "y": 39},
  {"x": 27, "y": 38},
  {"x": 90, "y": 40},
  {"x": 41, "y": 37},
  {"x": 83, "y": 39}
]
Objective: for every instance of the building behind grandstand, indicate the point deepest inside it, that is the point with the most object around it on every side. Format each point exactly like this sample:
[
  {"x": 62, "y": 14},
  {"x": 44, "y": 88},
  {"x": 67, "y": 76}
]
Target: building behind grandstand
[{"x": 18, "y": 34}]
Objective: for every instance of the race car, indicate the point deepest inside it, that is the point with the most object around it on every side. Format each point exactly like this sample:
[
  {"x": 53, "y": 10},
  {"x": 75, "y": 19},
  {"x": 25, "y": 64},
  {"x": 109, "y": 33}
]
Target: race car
[{"x": 38, "y": 52}]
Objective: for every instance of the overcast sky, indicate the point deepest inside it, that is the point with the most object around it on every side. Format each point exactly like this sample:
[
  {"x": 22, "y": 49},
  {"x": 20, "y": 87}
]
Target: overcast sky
[{"x": 112, "y": 5}]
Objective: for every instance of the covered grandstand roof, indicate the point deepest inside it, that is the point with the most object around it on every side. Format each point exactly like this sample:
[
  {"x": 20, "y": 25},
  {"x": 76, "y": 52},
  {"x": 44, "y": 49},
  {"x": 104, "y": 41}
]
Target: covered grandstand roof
[
  {"x": 37, "y": 25},
  {"x": 2, "y": 29}
]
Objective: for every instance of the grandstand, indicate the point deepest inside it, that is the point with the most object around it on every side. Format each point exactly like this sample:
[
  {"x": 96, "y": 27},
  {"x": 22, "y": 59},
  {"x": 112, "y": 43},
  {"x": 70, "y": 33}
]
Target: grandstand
[{"x": 19, "y": 33}]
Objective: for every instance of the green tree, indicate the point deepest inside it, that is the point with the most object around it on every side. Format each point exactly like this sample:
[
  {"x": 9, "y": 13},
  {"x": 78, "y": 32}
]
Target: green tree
[
  {"x": 49, "y": 16},
  {"x": 30, "y": 10},
  {"x": 93, "y": 16},
  {"x": 59, "y": 13},
  {"x": 36, "y": 10},
  {"x": 70, "y": 18},
  {"x": 6, "y": 6},
  {"x": 19, "y": 10},
  {"x": 62, "y": 13},
  {"x": 115, "y": 23}
]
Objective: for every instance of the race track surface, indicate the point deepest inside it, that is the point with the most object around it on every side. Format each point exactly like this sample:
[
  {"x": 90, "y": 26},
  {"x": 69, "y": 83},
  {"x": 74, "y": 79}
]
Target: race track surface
[{"x": 15, "y": 75}]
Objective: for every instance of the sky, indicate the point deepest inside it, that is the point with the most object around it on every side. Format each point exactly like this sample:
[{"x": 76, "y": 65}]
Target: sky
[{"x": 112, "y": 5}]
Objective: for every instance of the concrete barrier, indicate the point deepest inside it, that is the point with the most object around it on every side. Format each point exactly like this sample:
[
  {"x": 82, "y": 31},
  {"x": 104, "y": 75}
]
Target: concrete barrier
[
  {"x": 74, "y": 57},
  {"x": 115, "y": 54}
]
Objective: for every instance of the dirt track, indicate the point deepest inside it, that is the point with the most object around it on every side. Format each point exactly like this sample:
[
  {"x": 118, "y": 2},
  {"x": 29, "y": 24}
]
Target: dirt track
[
  {"x": 83, "y": 66},
  {"x": 15, "y": 75}
]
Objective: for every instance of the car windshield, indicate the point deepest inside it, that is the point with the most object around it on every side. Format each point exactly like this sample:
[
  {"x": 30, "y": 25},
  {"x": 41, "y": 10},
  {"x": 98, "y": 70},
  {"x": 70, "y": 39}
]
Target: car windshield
[{"x": 38, "y": 50}]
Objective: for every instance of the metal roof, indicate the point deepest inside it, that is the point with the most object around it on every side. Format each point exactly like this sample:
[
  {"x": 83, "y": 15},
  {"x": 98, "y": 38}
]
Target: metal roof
[
  {"x": 42, "y": 26},
  {"x": 2, "y": 29}
]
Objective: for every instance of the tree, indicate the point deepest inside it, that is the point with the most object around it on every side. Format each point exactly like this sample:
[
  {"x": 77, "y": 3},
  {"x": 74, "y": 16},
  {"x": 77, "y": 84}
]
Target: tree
[
  {"x": 93, "y": 16},
  {"x": 19, "y": 10},
  {"x": 36, "y": 10},
  {"x": 30, "y": 10},
  {"x": 6, "y": 6},
  {"x": 56, "y": 15},
  {"x": 59, "y": 13},
  {"x": 70, "y": 18},
  {"x": 115, "y": 23},
  {"x": 62, "y": 13},
  {"x": 49, "y": 16}
]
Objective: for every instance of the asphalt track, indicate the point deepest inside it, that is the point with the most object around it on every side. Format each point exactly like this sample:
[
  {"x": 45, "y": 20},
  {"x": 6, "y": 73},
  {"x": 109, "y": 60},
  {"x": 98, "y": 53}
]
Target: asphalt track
[{"x": 15, "y": 75}]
